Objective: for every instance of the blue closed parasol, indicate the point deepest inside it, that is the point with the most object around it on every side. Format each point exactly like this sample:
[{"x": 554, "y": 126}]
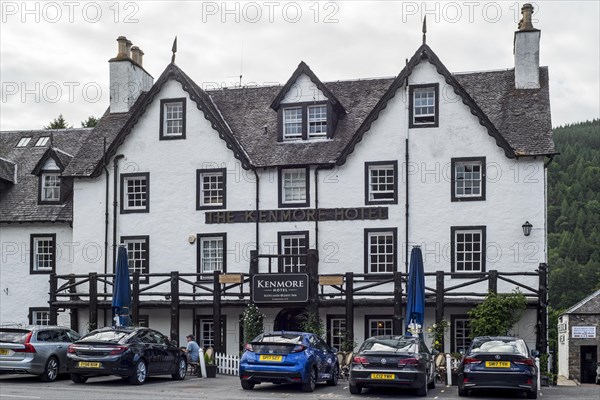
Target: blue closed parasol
[
  {"x": 415, "y": 306},
  {"x": 121, "y": 290}
]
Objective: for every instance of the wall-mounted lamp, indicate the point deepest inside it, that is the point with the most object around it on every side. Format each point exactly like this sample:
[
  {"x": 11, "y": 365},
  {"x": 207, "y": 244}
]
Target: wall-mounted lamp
[{"x": 527, "y": 228}]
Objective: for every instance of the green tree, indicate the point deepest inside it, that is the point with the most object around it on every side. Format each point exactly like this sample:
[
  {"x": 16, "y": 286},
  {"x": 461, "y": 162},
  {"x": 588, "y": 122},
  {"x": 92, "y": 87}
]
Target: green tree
[
  {"x": 90, "y": 122},
  {"x": 252, "y": 320},
  {"x": 497, "y": 314},
  {"x": 311, "y": 322},
  {"x": 58, "y": 123}
]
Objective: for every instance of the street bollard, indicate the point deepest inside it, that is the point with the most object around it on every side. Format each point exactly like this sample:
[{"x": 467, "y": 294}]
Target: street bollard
[
  {"x": 448, "y": 370},
  {"x": 201, "y": 362},
  {"x": 539, "y": 376}
]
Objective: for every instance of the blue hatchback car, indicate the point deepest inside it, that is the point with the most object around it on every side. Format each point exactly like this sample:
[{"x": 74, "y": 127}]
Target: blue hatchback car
[{"x": 289, "y": 357}]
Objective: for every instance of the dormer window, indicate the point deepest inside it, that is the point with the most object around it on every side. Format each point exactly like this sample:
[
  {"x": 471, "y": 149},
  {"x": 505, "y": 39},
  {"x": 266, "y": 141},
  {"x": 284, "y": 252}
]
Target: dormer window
[
  {"x": 50, "y": 187},
  {"x": 172, "y": 119},
  {"x": 424, "y": 101},
  {"x": 303, "y": 121}
]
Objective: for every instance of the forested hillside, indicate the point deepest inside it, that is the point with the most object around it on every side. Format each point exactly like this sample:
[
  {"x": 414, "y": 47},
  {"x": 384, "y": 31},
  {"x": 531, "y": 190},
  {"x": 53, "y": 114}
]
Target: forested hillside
[{"x": 574, "y": 214}]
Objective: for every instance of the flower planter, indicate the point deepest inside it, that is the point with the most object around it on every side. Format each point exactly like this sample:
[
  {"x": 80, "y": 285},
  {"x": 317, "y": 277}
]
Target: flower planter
[{"x": 211, "y": 371}]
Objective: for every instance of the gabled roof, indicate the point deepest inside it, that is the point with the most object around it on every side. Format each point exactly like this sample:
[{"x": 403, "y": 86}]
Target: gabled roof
[
  {"x": 304, "y": 69},
  {"x": 124, "y": 123},
  {"x": 589, "y": 305},
  {"x": 425, "y": 52},
  {"x": 61, "y": 158},
  {"x": 18, "y": 202}
]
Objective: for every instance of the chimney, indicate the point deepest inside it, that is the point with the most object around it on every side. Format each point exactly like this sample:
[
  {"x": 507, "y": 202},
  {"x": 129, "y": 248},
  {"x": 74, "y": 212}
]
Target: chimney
[
  {"x": 527, "y": 52},
  {"x": 128, "y": 79}
]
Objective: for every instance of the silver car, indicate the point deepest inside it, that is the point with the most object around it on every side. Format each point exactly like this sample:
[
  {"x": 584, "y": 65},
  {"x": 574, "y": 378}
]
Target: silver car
[{"x": 37, "y": 350}]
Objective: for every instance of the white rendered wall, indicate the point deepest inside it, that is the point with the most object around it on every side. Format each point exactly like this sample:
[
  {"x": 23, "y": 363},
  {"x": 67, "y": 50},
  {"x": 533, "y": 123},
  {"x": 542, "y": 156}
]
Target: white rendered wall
[
  {"x": 20, "y": 290},
  {"x": 303, "y": 90}
]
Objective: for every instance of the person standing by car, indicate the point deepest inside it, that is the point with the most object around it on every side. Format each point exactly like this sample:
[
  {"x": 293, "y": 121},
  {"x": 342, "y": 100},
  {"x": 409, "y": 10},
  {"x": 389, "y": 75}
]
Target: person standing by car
[{"x": 192, "y": 349}]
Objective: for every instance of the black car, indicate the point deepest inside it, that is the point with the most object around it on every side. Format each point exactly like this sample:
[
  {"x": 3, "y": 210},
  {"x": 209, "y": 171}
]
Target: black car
[
  {"x": 498, "y": 362},
  {"x": 133, "y": 353},
  {"x": 398, "y": 361}
]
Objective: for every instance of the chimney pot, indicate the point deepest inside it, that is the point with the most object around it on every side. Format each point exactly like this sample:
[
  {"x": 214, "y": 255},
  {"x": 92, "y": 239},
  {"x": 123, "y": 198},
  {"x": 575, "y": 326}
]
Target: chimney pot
[
  {"x": 128, "y": 44},
  {"x": 135, "y": 55},
  {"x": 525, "y": 24},
  {"x": 122, "y": 47}
]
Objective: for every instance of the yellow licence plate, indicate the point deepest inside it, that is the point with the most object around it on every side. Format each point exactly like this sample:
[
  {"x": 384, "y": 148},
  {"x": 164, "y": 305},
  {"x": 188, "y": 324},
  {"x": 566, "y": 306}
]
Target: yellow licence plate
[
  {"x": 497, "y": 364},
  {"x": 383, "y": 376},
  {"x": 84, "y": 364},
  {"x": 268, "y": 357},
  {"x": 4, "y": 352}
]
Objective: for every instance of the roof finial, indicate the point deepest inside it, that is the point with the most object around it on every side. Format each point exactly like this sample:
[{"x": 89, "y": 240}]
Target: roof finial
[
  {"x": 174, "y": 50},
  {"x": 424, "y": 29}
]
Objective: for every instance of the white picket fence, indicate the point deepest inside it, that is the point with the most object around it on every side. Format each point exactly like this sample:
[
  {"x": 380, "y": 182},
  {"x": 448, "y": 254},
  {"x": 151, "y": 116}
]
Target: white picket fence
[{"x": 227, "y": 364}]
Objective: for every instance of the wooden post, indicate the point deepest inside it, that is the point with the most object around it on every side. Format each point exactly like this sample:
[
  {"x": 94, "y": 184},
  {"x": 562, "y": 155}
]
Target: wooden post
[
  {"x": 312, "y": 265},
  {"x": 74, "y": 312},
  {"x": 542, "y": 309},
  {"x": 397, "y": 321},
  {"x": 439, "y": 301},
  {"x": 253, "y": 269},
  {"x": 175, "y": 306},
  {"x": 52, "y": 300},
  {"x": 135, "y": 298},
  {"x": 93, "y": 322},
  {"x": 349, "y": 307},
  {"x": 493, "y": 281},
  {"x": 217, "y": 323}
]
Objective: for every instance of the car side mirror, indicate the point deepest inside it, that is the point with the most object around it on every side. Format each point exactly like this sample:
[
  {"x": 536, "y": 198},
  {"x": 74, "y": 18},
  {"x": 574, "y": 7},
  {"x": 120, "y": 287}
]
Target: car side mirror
[
  {"x": 462, "y": 352},
  {"x": 535, "y": 353}
]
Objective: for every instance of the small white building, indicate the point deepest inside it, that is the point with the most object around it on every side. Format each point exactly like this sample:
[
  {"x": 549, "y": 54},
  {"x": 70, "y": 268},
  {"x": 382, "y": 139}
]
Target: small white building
[{"x": 213, "y": 190}]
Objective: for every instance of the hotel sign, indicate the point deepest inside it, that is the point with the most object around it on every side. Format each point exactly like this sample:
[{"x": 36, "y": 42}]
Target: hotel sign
[
  {"x": 297, "y": 215},
  {"x": 280, "y": 288}
]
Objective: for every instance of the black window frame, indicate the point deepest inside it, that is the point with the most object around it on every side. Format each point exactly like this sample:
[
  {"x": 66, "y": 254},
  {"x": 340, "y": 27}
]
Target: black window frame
[
  {"x": 210, "y": 317},
  {"x": 38, "y": 309},
  {"x": 305, "y": 135},
  {"x": 453, "y": 319},
  {"x": 435, "y": 123},
  {"x": 280, "y": 247},
  {"x": 61, "y": 188},
  {"x": 329, "y": 333},
  {"x": 125, "y": 177},
  {"x": 163, "y": 103},
  {"x": 462, "y": 274},
  {"x": 369, "y": 317},
  {"x": 32, "y": 250},
  {"x": 146, "y": 267},
  {"x": 368, "y": 165},
  {"x": 280, "y": 187},
  {"x": 366, "y": 244},
  {"x": 199, "y": 237},
  {"x": 458, "y": 160},
  {"x": 199, "y": 191}
]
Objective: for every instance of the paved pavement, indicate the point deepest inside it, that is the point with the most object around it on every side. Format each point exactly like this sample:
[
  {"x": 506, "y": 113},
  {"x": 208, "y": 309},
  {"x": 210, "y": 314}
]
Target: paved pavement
[{"x": 22, "y": 387}]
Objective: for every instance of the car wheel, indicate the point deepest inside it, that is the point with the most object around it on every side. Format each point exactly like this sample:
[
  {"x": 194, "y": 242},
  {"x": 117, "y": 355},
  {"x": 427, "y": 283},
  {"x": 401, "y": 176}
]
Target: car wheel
[
  {"x": 247, "y": 385},
  {"x": 181, "y": 370},
  {"x": 78, "y": 378},
  {"x": 532, "y": 394},
  {"x": 140, "y": 375},
  {"x": 422, "y": 391},
  {"x": 310, "y": 385},
  {"x": 334, "y": 378},
  {"x": 463, "y": 392},
  {"x": 432, "y": 383},
  {"x": 50, "y": 371},
  {"x": 355, "y": 389}
]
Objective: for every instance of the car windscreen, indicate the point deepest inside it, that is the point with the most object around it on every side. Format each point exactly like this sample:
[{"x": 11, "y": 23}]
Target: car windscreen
[
  {"x": 395, "y": 345},
  {"x": 13, "y": 335},
  {"x": 493, "y": 346},
  {"x": 105, "y": 336}
]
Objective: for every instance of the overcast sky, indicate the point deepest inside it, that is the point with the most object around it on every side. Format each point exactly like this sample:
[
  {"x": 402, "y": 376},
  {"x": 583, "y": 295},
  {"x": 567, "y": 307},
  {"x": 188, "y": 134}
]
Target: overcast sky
[{"x": 54, "y": 55}]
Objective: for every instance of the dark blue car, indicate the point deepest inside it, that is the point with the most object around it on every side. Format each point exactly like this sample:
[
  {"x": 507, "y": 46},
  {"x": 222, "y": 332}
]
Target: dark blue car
[{"x": 288, "y": 357}]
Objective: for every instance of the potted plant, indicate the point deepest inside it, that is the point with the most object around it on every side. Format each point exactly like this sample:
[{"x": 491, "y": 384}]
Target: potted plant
[{"x": 211, "y": 367}]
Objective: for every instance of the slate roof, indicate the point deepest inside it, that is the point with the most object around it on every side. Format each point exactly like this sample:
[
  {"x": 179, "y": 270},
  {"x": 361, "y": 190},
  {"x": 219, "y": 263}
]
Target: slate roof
[
  {"x": 19, "y": 201},
  {"x": 7, "y": 170},
  {"x": 589, "y": 305}
]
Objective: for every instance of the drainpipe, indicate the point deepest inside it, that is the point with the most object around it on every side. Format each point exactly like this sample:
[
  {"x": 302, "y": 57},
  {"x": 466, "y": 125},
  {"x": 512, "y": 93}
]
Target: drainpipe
[
  {"x": 107, "y": 177},
  {"x": 115, "y": 181},
  {"x": 406, "y": 158},
  {"x": 257, "y": 209},
  {"x": 317, "y": 207}
]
